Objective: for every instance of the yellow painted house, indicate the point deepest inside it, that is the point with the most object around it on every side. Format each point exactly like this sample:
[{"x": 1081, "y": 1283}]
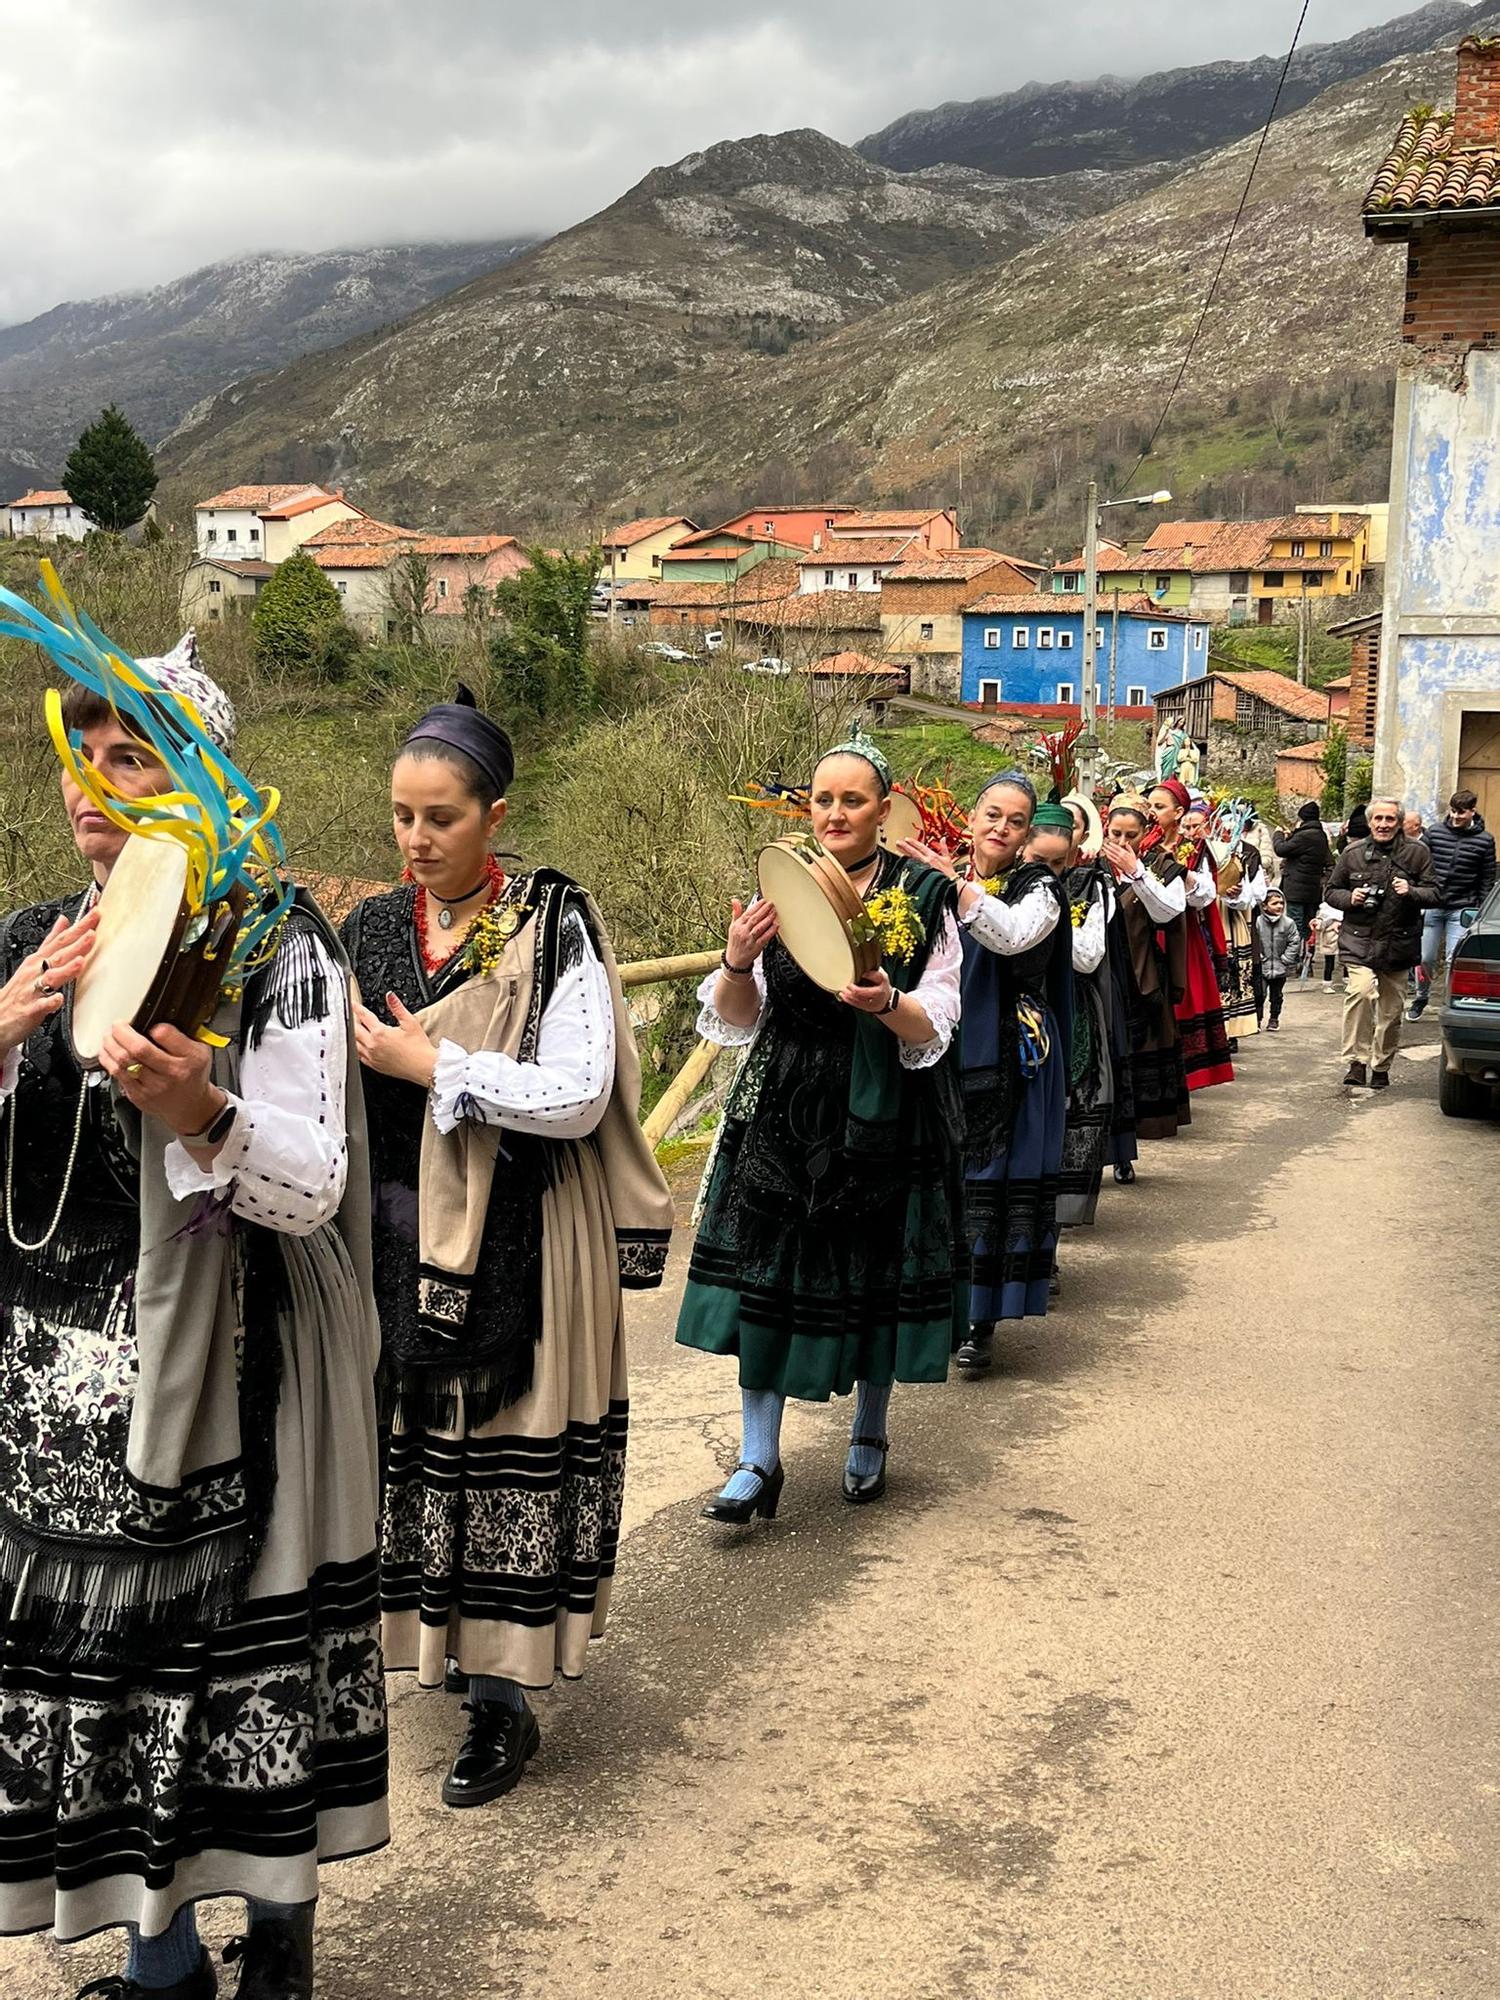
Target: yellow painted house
[{"x": 632, "y": 553}]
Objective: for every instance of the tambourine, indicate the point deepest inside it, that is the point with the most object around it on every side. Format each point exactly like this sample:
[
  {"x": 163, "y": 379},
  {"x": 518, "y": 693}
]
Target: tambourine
[
  {"x": 1231, "y": 868},
  {"x": 820, "y": 914},
  {"x": 902, "y": 822},
  {"x": 155, "y": 962}
]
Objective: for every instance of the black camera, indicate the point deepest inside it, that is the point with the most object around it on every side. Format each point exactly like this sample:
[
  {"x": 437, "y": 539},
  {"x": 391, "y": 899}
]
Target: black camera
[{"x": 1374, "y": 895}]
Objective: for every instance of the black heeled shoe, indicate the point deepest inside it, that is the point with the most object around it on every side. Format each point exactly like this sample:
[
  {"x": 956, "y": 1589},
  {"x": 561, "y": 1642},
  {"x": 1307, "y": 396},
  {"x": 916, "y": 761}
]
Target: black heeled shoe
[
  {"x": 860, "y": 1488},
  {"x": 276, "y": 1957},
  {"x": 737, "y": 1513},
  {"x": 1125, "y": 1174},
  {"x": 976, "y": 1355}
]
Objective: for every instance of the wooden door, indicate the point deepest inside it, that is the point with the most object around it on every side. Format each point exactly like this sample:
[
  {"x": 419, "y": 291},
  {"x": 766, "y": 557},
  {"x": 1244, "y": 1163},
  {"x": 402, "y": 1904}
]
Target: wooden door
[{"x": 1479, "y": 762}]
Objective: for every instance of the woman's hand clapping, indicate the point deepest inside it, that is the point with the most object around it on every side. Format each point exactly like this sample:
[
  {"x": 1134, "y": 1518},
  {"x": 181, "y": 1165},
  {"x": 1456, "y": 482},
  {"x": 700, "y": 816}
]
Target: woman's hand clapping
[
  {"x": 34, "y": 990},
  {"x": 918, "y": 850},
  {"x": 750, "y": 931}
]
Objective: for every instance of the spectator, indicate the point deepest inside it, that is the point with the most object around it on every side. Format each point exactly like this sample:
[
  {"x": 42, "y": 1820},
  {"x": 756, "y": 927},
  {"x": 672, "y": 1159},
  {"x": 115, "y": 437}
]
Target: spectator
[
  {"x": 1463, "y": 861},
  {"x": 1412, "y": 826},
  {"x": 1326, "y": 928},
  {"x": 1279, "y": 944},
  {"x": 1356, "y": 827},
  {"x": 1305, "y": 861},
  {"x": 1381, "y": 886}
]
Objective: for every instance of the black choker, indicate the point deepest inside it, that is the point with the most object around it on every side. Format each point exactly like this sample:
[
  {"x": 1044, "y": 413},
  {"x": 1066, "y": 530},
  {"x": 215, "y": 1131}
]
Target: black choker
[
  {"x": 854, "y": 867},
  {"x": 445, "y": 915}
]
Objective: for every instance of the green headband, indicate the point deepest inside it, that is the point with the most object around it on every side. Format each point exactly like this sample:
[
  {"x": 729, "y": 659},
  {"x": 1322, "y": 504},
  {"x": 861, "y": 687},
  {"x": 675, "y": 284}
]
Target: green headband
[
  {"x": 1052, "y": 819},
  {"x": 860, "y": 745}
]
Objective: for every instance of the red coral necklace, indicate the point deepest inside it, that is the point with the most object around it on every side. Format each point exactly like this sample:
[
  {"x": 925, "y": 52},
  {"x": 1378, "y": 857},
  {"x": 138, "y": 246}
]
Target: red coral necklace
[{"x": 494, "y": 880}]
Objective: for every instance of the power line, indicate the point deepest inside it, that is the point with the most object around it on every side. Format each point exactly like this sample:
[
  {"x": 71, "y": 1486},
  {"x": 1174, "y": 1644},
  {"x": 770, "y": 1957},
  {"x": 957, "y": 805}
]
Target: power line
[{"x": 1228, "y": 244}]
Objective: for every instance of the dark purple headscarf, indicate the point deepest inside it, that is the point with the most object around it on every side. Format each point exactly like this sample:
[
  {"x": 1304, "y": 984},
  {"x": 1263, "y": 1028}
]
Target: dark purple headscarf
[{"x": 462, "y": 726}]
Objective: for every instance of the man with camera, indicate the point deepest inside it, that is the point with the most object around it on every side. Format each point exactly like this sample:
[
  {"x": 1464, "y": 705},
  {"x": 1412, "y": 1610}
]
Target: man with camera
[{"x": 1382, "y": 884}]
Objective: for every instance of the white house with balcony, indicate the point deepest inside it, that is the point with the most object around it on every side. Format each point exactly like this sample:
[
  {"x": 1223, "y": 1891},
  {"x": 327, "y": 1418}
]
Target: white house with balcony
[
  {"x": 861, "y": 563},
  {"x": 264, "y": 523},
  {"x": 47, "y": 517}
]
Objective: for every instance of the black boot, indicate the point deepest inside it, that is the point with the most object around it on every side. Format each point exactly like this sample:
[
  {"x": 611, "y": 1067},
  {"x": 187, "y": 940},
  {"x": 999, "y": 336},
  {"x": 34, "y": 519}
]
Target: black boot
[
  {"x": 276, "y": 1956},
  {"x": 494, "y": 1754},
  {"x": 1125, "y": 1174},
  {"x": 977, "y": 1354},
  {"x": 199, "y": 1985}
]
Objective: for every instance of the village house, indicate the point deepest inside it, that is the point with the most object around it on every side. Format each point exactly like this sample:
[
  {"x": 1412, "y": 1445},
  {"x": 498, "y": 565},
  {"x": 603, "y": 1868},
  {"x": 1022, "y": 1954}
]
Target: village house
[
  {"x": 372, "y": 566},
  {"x": 932, "y": 529},
  {"x": 1438, "y": 192},
  {"x": 1298, "y": 776},
  {"x": 1236, "y": 572},
  {"x": 1338, "y": 698},
  {"x": 794, "y": 527},
  {"x": 1026, "y": 653},
  {"x": 721, "y": 555},
  {"x": 1242, "y": 721},
  {"x": 215, "y": 588},
  {"x": 754, "y": 600},
  {"x": 805, "y": 626},
  {"x": 859, "y": 564},
  {"x": 47, "y": 517},
  {"x": 632, "y": 553},
  {"x": 922, "y": 602},
  {"x": 854, "y": 674},
  {"x": 265, "y": 523}
]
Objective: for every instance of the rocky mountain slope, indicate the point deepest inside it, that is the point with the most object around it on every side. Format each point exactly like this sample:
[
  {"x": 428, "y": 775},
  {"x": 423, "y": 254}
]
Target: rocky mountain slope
[
  {"x": 560, "y": 381},
  {"x": 1112, "y": 122},
  {"x": 157, "y": 353}
]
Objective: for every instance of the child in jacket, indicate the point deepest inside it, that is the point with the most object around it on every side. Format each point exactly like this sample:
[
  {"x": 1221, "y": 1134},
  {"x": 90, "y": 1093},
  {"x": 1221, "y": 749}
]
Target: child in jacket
[
  {"x": 1327, "y": 925},
  {"x": 1279, "y": 943}
]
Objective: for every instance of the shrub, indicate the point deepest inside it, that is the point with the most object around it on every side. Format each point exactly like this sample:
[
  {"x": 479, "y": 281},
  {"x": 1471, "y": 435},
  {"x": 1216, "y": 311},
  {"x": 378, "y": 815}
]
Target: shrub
[{"x": 299, "y": 623}]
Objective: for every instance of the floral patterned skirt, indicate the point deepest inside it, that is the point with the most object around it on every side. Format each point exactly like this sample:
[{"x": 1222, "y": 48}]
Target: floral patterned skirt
[
  {"x": 235, "y": 1763},
  {"x": 498, "y": 1539}
]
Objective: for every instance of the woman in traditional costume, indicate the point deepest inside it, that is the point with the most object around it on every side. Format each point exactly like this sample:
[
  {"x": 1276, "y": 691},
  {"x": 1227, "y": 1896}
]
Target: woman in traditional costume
[
  {"x": 1017, "y": 1007},
  {"x": 829, "y": 1257},
  {"x": 1241, "y": 886},
  {"x": 1151, "y": 965},
  {"x": 190, "y": 1675},
  {"x": 1200, "y": 1012},
  {"x": 1097, "y": 1072},
  {"x": 514, "y": 1197}
]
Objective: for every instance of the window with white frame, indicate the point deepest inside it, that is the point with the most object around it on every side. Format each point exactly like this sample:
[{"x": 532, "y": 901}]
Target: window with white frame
[
  {"x": 255, "y": 534},
  {"x": 212, "y": 535},
  {"x": 1064, "y": 641},
  {"x": 990, "y": 691},
  {"x": 770, "y": 528},
  {"x": 1299, "y": 548},
  {"x": 1325, "y": 548},
  {"x": 991, "y": 638},
  {"x": 1069, "y": 582},
  {"x": 1156, "y": 639},
  {"x": 1065, "y": 691},
  {"x": 1197, "y": 638},
  {"x": 828, "y": 579},
  {"x": 1164, "y": 583},
  {"x": 1044, "y": 638},
  {"x": 215, "y": 587},
  {"x": 231, "y": 534},
  {"x": 342, "y": 588},
  {"x": 442, "y": 586},
  {"x": 854, "y": 579},
  {"x": 1020, "y": 638},
  {"x": 926, "y": 629},
  {"x": 1135, "y": 697}
]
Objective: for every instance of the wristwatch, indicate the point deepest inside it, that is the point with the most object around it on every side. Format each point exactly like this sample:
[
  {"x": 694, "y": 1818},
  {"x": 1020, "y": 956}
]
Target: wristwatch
[
  {"x": 217, "y": 1127},
  {"x": 894, "y": 1002}
]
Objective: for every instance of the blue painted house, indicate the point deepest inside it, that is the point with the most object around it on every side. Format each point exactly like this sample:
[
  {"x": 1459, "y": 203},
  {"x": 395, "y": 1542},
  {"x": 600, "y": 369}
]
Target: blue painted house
[{"x": 1026, "y": 653}]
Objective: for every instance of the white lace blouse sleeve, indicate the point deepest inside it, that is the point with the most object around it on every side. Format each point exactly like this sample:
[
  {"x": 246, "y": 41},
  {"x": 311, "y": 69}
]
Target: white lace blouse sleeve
[
  {"x": 939, "y": 993},
  {"x": 1162, "y": 900},
  {"x": 1008, "y": 928},
  {"x": 565, "y": 1092},
  {"x": 711, "y": 1023},
  {"x": 1202, "y": 889},
  {"x": 286, "y": 1156},
  {"x": 1090, "y": 937}
]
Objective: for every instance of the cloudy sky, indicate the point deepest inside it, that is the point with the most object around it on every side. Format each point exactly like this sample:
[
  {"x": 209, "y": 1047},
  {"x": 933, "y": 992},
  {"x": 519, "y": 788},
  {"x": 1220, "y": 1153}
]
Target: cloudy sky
[{"x": 147, "y": 137}]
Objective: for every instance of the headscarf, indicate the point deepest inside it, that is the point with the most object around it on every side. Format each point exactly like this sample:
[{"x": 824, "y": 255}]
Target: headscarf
[
  {"x": 180, "y": 673},
  {"x": 462, "y": 725},
  {"x": 1053, "y": 819},
  {"x": 860, "y": 745},
  {"x": 1178, "y": 791},
  {"x": 1018, "y": 779},
  {"x": 1131, "y": 802}
]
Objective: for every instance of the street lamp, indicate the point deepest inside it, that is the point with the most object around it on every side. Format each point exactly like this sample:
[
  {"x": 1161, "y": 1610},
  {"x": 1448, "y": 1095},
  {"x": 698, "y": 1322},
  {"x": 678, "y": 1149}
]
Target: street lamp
[{"x": 1088, "y": 742}]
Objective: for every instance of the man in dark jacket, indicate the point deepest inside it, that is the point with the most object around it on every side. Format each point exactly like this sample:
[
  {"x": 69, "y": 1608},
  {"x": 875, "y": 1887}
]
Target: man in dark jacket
[
  {"x": 1463, "y": 861},
  {"x": 1305, "y": 860},
  {"x": 1382, "y": 885}
]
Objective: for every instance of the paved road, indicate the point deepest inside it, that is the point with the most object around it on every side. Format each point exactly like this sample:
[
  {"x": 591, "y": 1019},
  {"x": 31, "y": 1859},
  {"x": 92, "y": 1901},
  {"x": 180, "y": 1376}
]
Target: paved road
[{"x": 1168, "y": 1672}]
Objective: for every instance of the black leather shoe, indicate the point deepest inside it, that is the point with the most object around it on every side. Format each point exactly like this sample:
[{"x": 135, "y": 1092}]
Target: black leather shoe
[
  {"x": 1380, "y": 1079},
  {"x": 276, "y": 1957},
  {"x": 453, "y": 1681},
  {"x": 1355, "y": 1077},
  {"x": 739, "y": 1512},
  {"x": 500, "y": 1743},
  {"x": 977, "y": 1354},
  {"x": 199, "y": 1985},
  {"x": 860, "y": 1488},
  {"x": 1125, "y": 1174}
]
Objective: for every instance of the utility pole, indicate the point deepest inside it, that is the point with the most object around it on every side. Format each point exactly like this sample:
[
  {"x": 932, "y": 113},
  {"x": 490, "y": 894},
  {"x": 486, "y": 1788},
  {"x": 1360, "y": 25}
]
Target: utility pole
[
  {"x": 1088, "y": 708},
  {"x": 1302, "y": 635}
]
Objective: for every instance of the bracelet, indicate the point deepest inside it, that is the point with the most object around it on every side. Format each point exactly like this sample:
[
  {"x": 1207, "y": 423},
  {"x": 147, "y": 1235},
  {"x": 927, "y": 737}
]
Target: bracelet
[{"x": 735, "y": 971}]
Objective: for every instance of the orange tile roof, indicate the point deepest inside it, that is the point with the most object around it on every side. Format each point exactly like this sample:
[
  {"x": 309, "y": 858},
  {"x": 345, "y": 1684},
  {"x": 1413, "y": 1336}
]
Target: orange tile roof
[
  {"x": 57, "y": 499},
  {"x": 763, "y": 585},
  {"x": 832, "y": 611},
  {"x": 462, "y": 545},
  {"x": 354, "y": 555},
  {"x": 704, "y": 537},
  {"x": 306, "y": 505},
  {"x": 631, "y": 532},
  {"x": 859, "y": 664},
  {"x": 1114, "y": 561},
  {"x": 1130, "y": 604},
  {"x": 870, "y": 520},
  {"x": 363, "y": 530},
  {"x": 1172, "y": 534},
  {"x": 1279, "y": 691},
  {"x": 954, "y": 566},
  {"x": 1302, "y": 753},
  {"x": 862, "y": 549},
  {"x": 1343, "y": 681},
  {"x": 245, "y": 566},
  {"x": 1425, "y": 174},
  {"x": 1322, "y": 525},
  {"x": 256, "y": 499}
]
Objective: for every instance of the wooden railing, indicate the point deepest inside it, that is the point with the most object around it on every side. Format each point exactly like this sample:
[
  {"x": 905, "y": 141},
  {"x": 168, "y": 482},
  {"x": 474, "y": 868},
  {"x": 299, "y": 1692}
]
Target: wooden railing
[{"x": 678, "y": 1094}]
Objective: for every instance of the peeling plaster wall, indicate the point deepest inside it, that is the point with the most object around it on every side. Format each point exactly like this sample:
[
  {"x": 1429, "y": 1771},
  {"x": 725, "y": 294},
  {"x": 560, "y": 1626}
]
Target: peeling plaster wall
[{"x": 1441, "y": 640}]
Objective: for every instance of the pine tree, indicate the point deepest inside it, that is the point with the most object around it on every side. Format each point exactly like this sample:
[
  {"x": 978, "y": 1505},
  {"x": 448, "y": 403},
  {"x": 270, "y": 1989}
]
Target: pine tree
[
  {"x": 299, "y": 621},
  {"x": 110, "y": 473}
]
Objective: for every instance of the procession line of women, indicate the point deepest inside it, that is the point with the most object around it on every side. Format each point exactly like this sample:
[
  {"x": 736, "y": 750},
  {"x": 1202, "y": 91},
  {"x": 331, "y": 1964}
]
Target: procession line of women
[{"x": 313, "y": 1329}]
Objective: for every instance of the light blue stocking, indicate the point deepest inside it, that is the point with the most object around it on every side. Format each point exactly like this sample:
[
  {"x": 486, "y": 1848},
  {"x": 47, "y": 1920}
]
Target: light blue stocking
[
  {"x": 761, "y": 1411},
  {"x": 871, "y": 1401}
]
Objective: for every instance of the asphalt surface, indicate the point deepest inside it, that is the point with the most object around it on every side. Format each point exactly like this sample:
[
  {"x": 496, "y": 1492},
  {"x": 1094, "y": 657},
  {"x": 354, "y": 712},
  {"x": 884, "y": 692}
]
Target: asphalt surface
[{"x": 1167, "y": 1671}]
